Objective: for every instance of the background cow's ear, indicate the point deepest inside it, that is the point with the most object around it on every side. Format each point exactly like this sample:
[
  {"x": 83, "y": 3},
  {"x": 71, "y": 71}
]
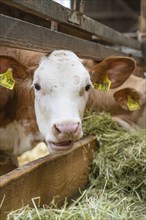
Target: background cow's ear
[
  {"x": 118, "y": 69},
  {"x": 19, "y": 71},
  {"x": 121, "y": 97}
]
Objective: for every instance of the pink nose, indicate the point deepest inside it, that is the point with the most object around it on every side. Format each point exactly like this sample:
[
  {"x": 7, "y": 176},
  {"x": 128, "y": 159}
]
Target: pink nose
[{"x": 66, "y": 129}]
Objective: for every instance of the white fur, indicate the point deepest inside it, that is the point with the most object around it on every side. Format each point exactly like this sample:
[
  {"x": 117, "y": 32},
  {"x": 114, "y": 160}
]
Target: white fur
[{"x": 61, "y": 76}]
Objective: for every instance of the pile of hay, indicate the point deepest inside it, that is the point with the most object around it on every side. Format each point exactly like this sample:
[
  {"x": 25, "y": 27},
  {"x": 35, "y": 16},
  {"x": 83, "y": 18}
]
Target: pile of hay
[{"x": 117, "y": 189}]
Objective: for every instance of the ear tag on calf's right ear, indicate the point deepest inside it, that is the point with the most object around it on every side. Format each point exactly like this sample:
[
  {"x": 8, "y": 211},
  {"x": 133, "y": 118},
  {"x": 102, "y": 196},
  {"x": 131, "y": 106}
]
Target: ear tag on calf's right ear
[
  {"x": 7, "y": 80},
  {"x": 104, "y": 86},
  {"x": 132, "y": 104}
]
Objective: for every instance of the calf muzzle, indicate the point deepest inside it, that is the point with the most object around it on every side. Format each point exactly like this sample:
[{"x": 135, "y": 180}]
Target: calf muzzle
[{"x": 66, "y": 130}]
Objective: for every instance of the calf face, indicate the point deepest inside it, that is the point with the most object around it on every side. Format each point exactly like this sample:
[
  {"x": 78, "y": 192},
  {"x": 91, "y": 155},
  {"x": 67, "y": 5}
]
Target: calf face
[
  {"x": 62, "y": 86},
  {"x": 61, "y": 91}
]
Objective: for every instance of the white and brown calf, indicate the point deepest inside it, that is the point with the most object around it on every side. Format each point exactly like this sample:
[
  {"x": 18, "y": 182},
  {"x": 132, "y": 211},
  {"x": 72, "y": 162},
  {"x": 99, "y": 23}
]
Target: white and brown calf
[
  {"x": 62, "y": 86},
  {"x": 135, "y": 87},
  {"x": 18, "y": 127},
  {"x": 115, "y": 102},
  {"x": 61, "y": 90}
]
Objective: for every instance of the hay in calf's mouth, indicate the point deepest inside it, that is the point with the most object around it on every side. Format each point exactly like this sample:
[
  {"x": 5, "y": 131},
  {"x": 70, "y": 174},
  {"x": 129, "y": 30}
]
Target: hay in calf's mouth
[{"x": 117, "y": 189}]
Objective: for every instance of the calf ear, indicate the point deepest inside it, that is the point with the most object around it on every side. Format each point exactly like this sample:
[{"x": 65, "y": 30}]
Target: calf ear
[
  {"x": 19, "y": 71},
  {"x": 126, "y": 97},
  {"x": 118, "y": 69}
]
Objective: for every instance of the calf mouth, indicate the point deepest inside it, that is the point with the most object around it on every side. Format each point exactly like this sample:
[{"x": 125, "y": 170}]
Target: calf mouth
[{"x": 61, "y": 146}]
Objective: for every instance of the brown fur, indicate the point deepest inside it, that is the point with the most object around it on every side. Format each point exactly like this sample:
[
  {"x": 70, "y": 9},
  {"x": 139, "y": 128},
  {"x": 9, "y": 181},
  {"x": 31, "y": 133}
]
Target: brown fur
[
  {"x": 105, "y": 101},
  {"x": 17, "y": 104}
]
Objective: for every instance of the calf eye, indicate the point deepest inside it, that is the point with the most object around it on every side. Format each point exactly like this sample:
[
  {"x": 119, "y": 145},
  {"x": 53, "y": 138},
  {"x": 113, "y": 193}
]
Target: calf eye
[
  {"x": 37, "y": 86},
  {"x": 87, "y": 87}
]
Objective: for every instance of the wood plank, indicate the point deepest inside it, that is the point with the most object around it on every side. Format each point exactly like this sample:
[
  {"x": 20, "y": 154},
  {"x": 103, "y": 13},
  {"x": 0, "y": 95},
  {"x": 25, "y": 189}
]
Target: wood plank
[
  {"x": 54, "y": 11},
  {"x": 143, "y": 28},
  {"x": 6, "y": 163},
  {"x": 53, "y": 175},
  {"x": 110, "y": 15},
  {"x": 23, "y": 35},
  {"x": 22, "y": 15}
]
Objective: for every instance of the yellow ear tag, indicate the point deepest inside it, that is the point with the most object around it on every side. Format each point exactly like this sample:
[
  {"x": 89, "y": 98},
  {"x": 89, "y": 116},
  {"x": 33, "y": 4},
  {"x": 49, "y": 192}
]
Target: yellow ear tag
[
  {"x": 105, "y": 85},
  {"x": 7, "y": 80},
  {"x": 132, "y": 104}
]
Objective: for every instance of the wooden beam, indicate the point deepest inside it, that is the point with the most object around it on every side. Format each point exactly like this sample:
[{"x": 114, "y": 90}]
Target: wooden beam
[
  {"x": 22, "y": 15},
  {"x": 110, "y": 15},
  {"x": 143, "y": 28},
  {"x": 6, "y": 163},
  {"x": 54, "y": 11},
  {"x": 53, "y": 175},
  {"x": 23, "y": 35}
]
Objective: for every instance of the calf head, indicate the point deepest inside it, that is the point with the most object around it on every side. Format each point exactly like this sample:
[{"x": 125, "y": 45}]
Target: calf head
[
  {"x": 6, "y": 95},
  {"x": 132, "y": 101},
  {"x": 124, "y": 96},
  {"x": 15, "y": 99},
  {"x": 61, "y": 91},
  {"x": 62, "y": 86},
  {"x": 17, "y": 118}
]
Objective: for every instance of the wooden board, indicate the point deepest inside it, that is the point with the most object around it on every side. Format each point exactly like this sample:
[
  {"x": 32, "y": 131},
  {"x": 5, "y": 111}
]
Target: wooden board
[
  {"x": 22, "y": 15},
  {"x": 6, "y": 163},
  {"x": 53, "y": 11},
  {"x": 52, "y": 175},
  {"x": 143, "y": 29},
  {"x": 24, "y": 35}
]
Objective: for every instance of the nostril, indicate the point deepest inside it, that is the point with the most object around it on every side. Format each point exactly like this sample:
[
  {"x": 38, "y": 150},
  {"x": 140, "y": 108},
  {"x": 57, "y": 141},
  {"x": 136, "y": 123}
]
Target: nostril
[
  {"x": 56, "y": 128},
  {"x": 76, "y": 127}
]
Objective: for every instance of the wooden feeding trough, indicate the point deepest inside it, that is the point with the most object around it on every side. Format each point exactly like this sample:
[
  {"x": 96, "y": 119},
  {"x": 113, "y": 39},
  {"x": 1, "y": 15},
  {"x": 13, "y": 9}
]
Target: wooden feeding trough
[
  {"x": 44, "y": 26},
  {"x": 58, "y": 176}
]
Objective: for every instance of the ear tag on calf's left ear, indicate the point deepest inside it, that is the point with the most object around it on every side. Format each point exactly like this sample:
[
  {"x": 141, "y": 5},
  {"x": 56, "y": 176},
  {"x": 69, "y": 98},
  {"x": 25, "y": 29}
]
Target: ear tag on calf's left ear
[
  {"x": 132, "y": 104},
  {"x": 104, "y": 85},
  {"x": 7, "y": 80}
]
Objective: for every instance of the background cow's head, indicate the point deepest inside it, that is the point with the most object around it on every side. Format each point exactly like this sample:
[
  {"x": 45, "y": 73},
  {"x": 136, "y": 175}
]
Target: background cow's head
[{"x": 62, "y": 86}]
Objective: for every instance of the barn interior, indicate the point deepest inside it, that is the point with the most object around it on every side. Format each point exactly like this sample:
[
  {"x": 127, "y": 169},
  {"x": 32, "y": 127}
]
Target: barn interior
[{"x": 109, "y": 161}]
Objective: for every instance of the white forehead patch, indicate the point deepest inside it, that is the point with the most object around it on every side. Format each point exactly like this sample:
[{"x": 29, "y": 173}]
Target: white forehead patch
[
  {"x": 65, "y": 55},
  {"x": 61, "y": 66}
]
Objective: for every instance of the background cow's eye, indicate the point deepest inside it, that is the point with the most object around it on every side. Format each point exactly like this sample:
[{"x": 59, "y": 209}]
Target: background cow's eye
[
  {"x": 37, "y": 86},
  {"x": 87, "y": 87}
]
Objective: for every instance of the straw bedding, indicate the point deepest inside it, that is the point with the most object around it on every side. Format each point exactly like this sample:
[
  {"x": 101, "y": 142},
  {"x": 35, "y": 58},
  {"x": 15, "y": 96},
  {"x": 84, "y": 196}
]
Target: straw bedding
[{"x": 117, "y": 189}]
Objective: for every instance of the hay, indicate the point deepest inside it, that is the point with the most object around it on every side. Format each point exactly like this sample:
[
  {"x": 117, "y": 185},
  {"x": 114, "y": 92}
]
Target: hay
[{"x": 117, "y": 189}]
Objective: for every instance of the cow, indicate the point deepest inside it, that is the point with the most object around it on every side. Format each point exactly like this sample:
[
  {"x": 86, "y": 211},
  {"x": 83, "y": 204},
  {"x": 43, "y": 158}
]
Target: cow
[
  {"x": 135, "y": 88},
  {"x": 49, "y": 103},
  {"x": 18, "y": 127},
  {"x": 116, "y": 103}
]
